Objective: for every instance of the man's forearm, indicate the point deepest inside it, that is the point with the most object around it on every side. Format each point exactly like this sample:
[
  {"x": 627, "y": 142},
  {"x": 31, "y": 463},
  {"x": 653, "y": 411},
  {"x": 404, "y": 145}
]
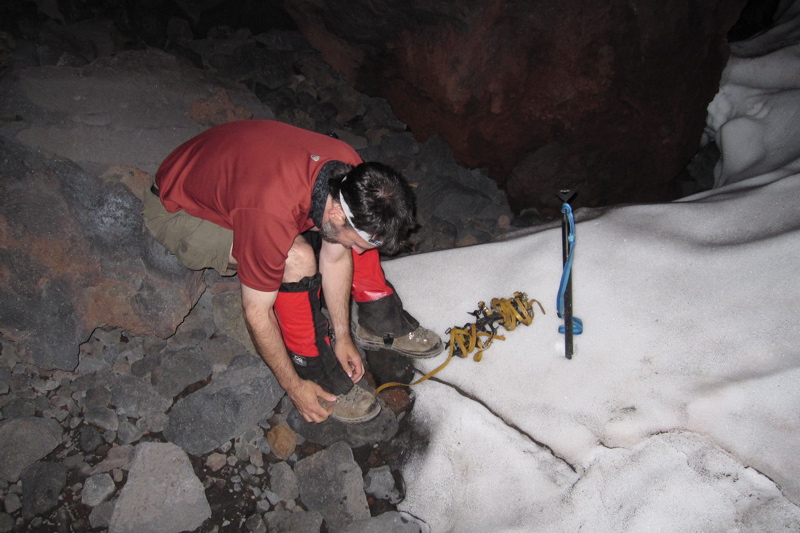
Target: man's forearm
[
  {"x": 265, "y": 332},
  {"x": 337, "y": 278},
  {"x": 259, "y": 315}
]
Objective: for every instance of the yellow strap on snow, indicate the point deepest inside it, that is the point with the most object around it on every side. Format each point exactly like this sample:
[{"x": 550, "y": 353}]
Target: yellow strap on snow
[{"x": 468, "y": 338}]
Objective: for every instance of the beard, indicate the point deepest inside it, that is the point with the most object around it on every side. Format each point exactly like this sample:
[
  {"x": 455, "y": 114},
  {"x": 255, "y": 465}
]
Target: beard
[{"x": 329, "y": 233}]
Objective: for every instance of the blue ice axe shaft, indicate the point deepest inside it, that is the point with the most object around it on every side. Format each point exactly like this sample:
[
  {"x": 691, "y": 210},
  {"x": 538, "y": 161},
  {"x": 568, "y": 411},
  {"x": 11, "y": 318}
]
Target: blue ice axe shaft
[{"x": 565, "y": 195}]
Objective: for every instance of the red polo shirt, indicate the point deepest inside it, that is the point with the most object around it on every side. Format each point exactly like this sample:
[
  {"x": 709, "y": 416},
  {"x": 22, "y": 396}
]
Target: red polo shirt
[{"x": 254, "y": 177}]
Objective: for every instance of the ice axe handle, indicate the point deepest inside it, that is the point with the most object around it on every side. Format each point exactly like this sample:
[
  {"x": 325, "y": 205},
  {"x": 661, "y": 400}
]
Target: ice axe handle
[{"x": 565, "y": 195}]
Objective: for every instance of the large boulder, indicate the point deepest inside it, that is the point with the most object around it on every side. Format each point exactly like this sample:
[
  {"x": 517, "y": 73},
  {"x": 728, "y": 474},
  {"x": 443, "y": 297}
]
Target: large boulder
[
  {"x": 235, "y": 401},
  {"x": 76, "y": 256},
  {"x": 78, "y": 147},
  {"x": 606, "y": 96}
]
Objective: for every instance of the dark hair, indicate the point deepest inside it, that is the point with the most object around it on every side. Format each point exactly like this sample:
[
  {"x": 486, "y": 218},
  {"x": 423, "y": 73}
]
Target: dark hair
[{"x": 381, "y": 200}]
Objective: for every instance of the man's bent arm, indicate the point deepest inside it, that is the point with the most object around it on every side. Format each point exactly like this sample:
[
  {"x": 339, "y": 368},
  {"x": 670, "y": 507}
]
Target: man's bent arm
[
  {"x": 336, "y": 267},
  {"x": 265, "y": 332}
]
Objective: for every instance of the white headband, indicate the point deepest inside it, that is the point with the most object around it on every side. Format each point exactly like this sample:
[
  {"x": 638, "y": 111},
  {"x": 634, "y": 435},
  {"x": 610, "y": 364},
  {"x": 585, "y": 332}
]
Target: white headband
[{"x": 348, "y": 215}]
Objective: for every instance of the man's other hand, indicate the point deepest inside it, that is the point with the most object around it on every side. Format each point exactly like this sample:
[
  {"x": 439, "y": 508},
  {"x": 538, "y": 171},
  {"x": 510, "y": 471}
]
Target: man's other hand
[
  {"x": 350, "y": 358},
  {"x": 306, "y": 399}
]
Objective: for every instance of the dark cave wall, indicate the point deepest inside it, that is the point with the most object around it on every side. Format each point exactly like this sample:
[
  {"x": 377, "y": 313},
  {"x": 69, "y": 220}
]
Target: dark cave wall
[{"x": 607, "y": 97}]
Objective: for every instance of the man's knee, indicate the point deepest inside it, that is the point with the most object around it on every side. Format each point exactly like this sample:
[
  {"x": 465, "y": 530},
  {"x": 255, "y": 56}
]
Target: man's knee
[
  {"x": 197, "y": 243},
  {"x": 300, "y": 262}
]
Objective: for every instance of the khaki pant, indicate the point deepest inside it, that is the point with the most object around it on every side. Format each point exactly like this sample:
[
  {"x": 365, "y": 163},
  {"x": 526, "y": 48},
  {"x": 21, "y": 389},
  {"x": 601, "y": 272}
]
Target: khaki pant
[{"x": 197, "y": 243}]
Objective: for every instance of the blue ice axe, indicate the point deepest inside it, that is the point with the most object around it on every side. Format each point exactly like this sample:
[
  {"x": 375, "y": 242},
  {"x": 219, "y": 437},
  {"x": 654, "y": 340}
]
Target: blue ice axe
[{"x": 572, "y": 325}]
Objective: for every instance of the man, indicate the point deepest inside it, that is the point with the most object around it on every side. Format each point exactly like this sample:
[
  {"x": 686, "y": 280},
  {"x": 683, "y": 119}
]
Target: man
[{"x": 246, "y": 197}]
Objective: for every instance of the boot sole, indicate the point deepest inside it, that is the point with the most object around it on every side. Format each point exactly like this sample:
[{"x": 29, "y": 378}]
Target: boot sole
[{"x": 366, "y": 418}]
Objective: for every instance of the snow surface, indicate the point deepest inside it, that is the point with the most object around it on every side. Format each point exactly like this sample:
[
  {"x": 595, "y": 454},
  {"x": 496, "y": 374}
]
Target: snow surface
[{"x": 680, "y": 410}]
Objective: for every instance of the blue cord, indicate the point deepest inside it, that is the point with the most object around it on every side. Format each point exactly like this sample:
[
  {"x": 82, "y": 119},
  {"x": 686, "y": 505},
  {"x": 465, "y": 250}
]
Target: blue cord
[
  {"x": 577, "y": 324},
  {"x": 568, "y": 265}
]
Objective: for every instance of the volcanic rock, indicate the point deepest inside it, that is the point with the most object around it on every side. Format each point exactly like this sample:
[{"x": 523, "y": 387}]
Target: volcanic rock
[{"x": 500, "y": 81}]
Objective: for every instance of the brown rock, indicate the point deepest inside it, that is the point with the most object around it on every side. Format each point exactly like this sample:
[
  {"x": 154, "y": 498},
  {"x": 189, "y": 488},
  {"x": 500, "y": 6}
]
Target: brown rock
[
  {"x": 216, "y": 461},
  {"x": 282, "y": 441},
  {"x": 138, "y": 181},
  {"x": 396, "y": 399}
]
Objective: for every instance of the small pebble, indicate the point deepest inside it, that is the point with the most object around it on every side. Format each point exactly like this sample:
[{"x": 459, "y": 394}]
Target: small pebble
[{"x": 215, "y": 461}]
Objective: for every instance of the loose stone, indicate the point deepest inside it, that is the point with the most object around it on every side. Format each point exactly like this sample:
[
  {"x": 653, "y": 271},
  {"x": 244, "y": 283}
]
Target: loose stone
[
  {"x": 215, "y": 461},
  {"x": 97, "y": 489}
]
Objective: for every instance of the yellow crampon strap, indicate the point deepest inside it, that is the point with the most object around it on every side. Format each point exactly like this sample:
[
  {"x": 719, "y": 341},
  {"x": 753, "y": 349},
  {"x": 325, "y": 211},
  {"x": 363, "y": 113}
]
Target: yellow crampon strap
[{"x": 508, "y": 312}]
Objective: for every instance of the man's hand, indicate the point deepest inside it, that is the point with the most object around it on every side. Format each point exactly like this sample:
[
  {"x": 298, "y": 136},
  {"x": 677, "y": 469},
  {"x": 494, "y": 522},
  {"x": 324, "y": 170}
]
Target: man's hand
[
  {"x": 305, "y": 398},
  {"x": 350, "y": 358},
  {"x": 265, "y": 332}
]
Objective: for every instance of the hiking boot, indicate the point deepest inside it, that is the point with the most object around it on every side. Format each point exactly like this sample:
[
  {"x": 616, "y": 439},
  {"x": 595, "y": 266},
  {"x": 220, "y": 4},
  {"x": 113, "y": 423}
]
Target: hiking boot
[
  {"x": 355, "y": 407},
  {"x": 420, "y": 343}
]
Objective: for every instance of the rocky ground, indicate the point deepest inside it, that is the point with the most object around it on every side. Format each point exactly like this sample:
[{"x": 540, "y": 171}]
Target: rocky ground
[
  {"x": 143, "y": 420},
  {"x": 190, "y": 417}
]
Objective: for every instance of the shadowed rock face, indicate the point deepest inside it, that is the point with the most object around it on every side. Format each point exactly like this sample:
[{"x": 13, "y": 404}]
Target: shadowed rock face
[
  {"x": 608, "y": 97},
  {"x": 75, "y": 255}
]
